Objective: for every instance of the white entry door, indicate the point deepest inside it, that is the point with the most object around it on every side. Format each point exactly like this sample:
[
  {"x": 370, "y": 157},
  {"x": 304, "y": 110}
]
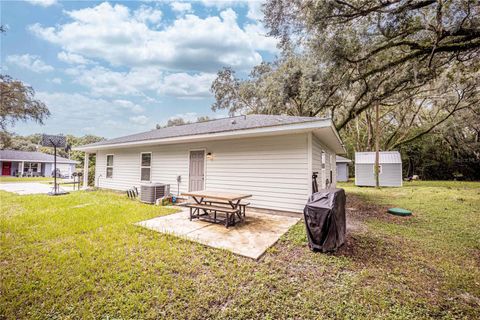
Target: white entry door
[{"x": 197, "y": 170}]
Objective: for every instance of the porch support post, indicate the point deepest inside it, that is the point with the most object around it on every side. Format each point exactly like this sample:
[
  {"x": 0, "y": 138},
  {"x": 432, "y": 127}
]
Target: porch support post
[
  {"x": 85, "y": 170},
  {"x": 20, "y": 168}
]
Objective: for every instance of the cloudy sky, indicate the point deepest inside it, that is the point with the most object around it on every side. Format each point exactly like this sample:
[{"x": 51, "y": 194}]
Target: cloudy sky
[{"x": 115, "y": 68}]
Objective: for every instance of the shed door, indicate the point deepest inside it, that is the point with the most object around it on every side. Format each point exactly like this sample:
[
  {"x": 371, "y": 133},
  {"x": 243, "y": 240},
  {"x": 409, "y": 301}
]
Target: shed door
[{"x": 197, "y": 170}]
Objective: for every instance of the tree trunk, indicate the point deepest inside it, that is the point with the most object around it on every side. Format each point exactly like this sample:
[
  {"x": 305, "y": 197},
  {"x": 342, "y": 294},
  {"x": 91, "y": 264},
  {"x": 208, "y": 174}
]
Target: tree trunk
[
  {"x": 357, "y": 142},
  {"x": 410, "y": 166},
  {"x": 377, "y": 147},
  {"x": 370, "y": 132}
]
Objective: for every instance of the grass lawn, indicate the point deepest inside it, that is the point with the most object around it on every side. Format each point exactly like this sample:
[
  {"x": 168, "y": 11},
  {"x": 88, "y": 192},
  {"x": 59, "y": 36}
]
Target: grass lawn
[{"x": 80, "y": 256}]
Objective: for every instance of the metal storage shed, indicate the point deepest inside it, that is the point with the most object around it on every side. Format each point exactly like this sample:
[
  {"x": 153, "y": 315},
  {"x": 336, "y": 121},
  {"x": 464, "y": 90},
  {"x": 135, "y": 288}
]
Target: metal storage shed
[
  {"x": 390, "y": 169},
  {"x": 342, "y": 168}
]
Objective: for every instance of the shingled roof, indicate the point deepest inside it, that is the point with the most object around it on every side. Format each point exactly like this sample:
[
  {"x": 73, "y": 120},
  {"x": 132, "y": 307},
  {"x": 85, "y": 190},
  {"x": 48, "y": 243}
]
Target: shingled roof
[
  {"x": 385, "y": 157},
  {"x": 212, "y": 126},
  {"x": 29, "y": 156}
]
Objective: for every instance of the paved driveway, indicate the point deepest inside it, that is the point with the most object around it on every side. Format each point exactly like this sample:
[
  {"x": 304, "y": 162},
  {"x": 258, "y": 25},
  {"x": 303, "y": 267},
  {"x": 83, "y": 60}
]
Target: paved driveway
[
  {"x": 250, "y": 238},
  {"x": 29, "y": 187}
]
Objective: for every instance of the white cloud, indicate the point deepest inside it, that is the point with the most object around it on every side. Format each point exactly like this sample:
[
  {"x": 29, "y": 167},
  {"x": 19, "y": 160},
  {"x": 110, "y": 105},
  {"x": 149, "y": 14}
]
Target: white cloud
[
  {"x": 222, "y": 4},
  {"x": 255, "y": 10},
  {"x": 31, "y": 62},
  {"x": 102, "y": 81},
  {"x": 254, "y": 6},
  {"x": 43, "y": 3},
  {"x": 56, "y": 80},
  {"x": 187, "y": 86},
  {"x": 257, "y": 34},
  {"x": 139, "y": 119},
  {"x": 112, "y": 123},
  {"x": 147, "y": 14},
  {"x": 72, "y": 58},
  {"x": 190, "y": 43},
  {"x": 188, "y": 116},
  {"x": 105, "y": 82},
  {"x": 108, "y": 118},
  {"x": 88, "y": 129},
  {"x": 181, "y": 7},
  {"x": 193, "y": 116},
  {"x": 128, "y": 105},
  {"x": 86, "y": 107}
]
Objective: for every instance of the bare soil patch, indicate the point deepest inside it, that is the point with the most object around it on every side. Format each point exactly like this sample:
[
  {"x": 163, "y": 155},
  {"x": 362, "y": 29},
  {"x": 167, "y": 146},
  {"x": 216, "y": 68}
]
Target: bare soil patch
[{"x": 359, "y": 210}]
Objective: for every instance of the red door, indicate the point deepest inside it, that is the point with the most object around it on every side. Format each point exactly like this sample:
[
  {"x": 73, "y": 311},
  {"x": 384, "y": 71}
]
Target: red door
[{"x": 6, "y": 167}]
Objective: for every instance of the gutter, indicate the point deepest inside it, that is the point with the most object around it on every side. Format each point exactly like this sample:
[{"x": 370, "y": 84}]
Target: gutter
[
  {"x": 335, "y": 132},
  {"x": 243, "y": 133}
]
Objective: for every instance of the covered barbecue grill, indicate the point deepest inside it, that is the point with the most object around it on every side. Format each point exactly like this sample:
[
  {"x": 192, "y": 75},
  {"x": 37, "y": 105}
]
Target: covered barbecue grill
[{"x": 325, "y": 220}]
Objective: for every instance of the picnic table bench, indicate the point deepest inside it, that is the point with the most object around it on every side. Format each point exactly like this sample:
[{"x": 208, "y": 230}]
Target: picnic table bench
[
  {"x": 208, "y": 203},
  {"x": 241, "y": 205}
]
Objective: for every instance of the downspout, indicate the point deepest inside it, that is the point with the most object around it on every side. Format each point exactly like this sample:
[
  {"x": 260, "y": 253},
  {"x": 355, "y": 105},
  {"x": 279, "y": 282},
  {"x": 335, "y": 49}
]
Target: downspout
[{"x": 309, "y": 161}]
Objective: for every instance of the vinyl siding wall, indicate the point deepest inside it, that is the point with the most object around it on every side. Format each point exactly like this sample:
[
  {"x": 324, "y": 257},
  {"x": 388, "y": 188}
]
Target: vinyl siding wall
[
  {"x": 391, "y": 175},
  {"x": 323, "y": 174},
  {"x": 273, "y": 169},
  {"x": 342, "y": 171}
]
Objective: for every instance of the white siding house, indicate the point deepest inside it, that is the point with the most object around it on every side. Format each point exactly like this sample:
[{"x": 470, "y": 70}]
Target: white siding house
[
  {"x": 342, "y": 168},
  {"x": 390, "y": 169},
  {"x": 274, "y": 163},
  {"x": 29, "y": 163},
  {"x": 323, "y": 164}
]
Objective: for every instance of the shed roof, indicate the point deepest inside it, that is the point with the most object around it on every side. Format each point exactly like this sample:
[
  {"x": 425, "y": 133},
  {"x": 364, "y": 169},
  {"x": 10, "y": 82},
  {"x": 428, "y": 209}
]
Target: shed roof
[
  {"x": 385, "y": 157},
  {"x": 232, "y": 125},
  {"x": 341, "y": 159},
  {"x": 31, "y": 156}
]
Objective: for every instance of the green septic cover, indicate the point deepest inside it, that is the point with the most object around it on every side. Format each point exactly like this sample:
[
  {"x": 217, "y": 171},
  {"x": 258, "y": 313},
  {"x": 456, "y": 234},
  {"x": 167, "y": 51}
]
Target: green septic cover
[{"x": 400, "y": 212}]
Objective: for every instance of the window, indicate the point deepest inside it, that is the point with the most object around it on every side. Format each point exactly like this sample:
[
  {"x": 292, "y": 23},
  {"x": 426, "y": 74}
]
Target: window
[
  {"x": 109, "y": 165},
  {"x": 30, "y": 167},
  {"x": 146, "y": 166},
  {"x": 323, "y": 159}
]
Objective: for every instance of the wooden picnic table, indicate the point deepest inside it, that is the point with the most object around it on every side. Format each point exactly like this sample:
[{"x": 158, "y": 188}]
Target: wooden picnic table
[{"x": 204, "y": 199}]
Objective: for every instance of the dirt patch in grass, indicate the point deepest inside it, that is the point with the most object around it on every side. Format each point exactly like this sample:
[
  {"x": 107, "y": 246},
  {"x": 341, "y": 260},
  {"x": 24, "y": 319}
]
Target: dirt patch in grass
[
  {"x": 359, "y": 210},
  {"x": 361, "y": 245},
  {"x": 365, "y": 250}
]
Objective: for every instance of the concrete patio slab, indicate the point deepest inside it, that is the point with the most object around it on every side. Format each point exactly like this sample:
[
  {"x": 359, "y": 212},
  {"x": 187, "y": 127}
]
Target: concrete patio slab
[
  {"x": 250, "y": 238},
  {"x": 30, "y": 187}
]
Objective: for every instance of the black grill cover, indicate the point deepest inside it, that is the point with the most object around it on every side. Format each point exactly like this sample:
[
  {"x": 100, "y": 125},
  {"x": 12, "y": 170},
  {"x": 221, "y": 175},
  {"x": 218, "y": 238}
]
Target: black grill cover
[{"x": 325, "y": 220}]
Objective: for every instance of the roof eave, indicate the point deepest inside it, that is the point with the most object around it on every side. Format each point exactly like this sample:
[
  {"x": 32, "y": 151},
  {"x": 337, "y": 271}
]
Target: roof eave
[
  {"x": 342, "y": 149},
  {"x": 243, "y": 133}
]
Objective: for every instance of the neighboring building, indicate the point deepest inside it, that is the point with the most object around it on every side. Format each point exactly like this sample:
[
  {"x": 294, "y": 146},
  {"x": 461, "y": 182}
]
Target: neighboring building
[
  {"x": 342, "y": 168},
  {"x": 270, "y": 157},
  {"x": 38, "y": 164},
  {"x": 390, "y": 169}
]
